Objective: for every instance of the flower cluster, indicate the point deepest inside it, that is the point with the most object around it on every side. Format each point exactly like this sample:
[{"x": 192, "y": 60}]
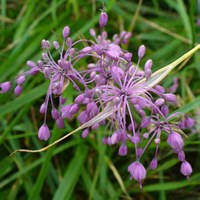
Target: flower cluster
[{"x": 113, "y": 91}]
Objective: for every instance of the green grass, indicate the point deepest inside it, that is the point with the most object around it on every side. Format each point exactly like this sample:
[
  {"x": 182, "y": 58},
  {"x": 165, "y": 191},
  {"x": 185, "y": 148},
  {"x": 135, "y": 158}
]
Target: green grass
[{"x": 87, "y": 169}]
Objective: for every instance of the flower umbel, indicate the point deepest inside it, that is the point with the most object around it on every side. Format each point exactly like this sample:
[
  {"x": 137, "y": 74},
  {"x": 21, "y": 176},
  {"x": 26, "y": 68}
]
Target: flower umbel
[{"x": 113, "y": 92}]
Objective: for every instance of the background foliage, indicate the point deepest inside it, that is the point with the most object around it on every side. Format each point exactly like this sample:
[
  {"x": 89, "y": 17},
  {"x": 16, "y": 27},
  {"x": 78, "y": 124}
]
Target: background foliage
[{"x": 87, "y": 169}]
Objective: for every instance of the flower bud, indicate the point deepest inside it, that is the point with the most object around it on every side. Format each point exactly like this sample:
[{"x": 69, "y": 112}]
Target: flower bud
[
  {"x": 181, "y": 156},
  {"x": 66, "y": 31},
  {"x": 56, "y": 44},
  {"x": 160, "y": 89},
  {"x": 137, "y": 171},
  {"x": 5, "y": 87},
  {"x": 189, "y": 122},
  {"x": 141, "y": 51},
  {"x": 165, "y": 110},
  {"x": 154, "y": 163},
  {"x": 31, "y": 64},
  {"x": 123, "y": 150},
  {"x": 145, "y": 122},
  {"x": 43, "y": 108},
  {"x": 44, "y": 132},
  {"x": 159, "y": 102},
  {"x": 114, "y": 138},
  {"x": 175, "y": 141},
  {"x": 186, "y": 169},
  {"x": 92, "y": 32},
  {"x": 20, "y": 80},
  {"x": 169, "y": 97},
  {"x": 18, "y": 90},
  {"x": 103, "y": 19},
  {"x": 85, "y": 133},
  {"x": 55, "y": 114},
  {"x": 79, "y": 99},
  {"x": 148, "y": 64},
  {"x": 60, "y": 122},
  {"x": 45, "y": 44}
]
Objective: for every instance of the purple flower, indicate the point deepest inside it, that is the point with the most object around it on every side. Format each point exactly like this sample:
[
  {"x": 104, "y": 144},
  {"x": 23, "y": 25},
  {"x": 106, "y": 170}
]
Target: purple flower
[
  {"x": 103, "y": 19},
  {"x": 186, "y": 169},
  {"x": 44, "y": 132},
  {"x": 175, "y": 141},
  {"x": 137, "y": 171},
  {"x": 5, "y": 87}
]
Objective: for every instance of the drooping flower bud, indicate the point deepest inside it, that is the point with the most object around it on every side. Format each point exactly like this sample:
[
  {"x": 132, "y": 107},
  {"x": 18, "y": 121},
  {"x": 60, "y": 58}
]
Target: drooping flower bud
[
  {"x": 43, "y": 108},
  {"x": 154, "y": 163},
  {"x": 85, "y": 133},
  {"x": 123, "y": 150},
  {"x": 5, "y": 87},
  {"x": 20, "y": 80},
  {"x": 44, "y": 132},
  {"x": 18, "y": 90},
  {"x": 137, "y": 171},
  {"x": 55, "y": 114},
  {"x": 60, "y": 122},
  {"x": 114, "y": 138},
  {"x": 181, "y": 156},
  {"x": 103, "y": 19},
  {"x": 189, "y": 122},
  {"x": 186, "y": 169},
  {"x": 175, "y": 141}
]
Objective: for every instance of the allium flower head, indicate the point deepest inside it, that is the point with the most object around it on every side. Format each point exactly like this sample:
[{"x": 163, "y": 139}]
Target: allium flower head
[{"x": 113, "y": 92}]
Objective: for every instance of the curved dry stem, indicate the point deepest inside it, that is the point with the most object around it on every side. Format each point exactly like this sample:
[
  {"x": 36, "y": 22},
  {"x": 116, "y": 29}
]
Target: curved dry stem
[{"x": 108, "y": 110}]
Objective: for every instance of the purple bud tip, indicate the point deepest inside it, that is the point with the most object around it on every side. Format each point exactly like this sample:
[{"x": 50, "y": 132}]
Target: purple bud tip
[
  {"x": 18, "y": 90},
  {"x": 85, "y": 133},
  {"x": 20, "y": 80},
  {"x": 92, "y": 32},
  {"x": 60, "y": 122},
  {"x": 114, "y": 138},
  {"x": 123, "y": 150},
  {"x": 159, "y": 102},
  {"x": 31, "y": 64},
  {"x": 66, "y": 31},
  {"x": 44, "y": 132},
  {"x": 137, "y": 171},
  {"x": 43, "y": 108},
  {"x": 154, "y": 163},
  {"x": 186, "y": 169},
  {"x": 5, "y": 87},
  {"x": 148, "y": 64},
  {"x": 189, "y": 122},
  {"x": 55, "y": 114},
  {"x": 170, "y": 97},
  {"x": 141, "y": 51},
  {"x": 181, "y": 156},
  {"x": 103, "y": 19},
  {"x": 45, "y": 44},
  {"x": 145, "y": 122},
  {"x": 56, "y": 44},
  {"x": 175, "y": 141}
]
